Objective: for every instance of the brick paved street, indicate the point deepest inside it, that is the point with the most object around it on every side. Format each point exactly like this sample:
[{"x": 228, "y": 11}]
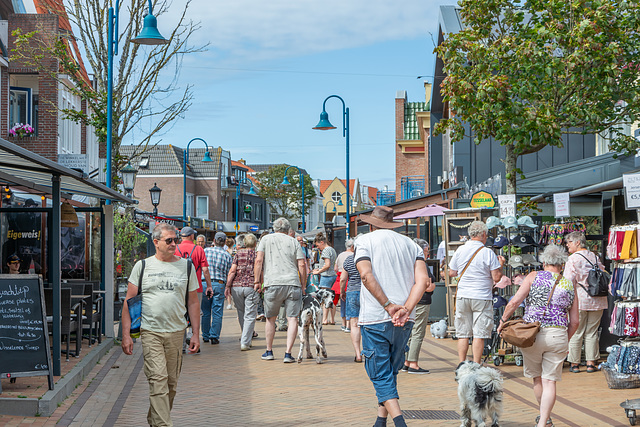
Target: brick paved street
[{"x": 225, "y": 387}]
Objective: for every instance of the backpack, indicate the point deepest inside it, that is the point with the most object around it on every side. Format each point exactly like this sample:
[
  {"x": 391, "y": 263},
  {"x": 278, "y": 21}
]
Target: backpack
[{"x": 598, "y": 281}]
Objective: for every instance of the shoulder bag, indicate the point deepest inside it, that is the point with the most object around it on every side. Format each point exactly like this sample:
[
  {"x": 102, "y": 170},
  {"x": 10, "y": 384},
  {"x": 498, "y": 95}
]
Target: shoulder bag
[
  {"x": 598, "y": 280},
  {"x": 517, "y": 332},
  {"x": 135, "y": 308},
  {"x": 459, "y": 276}
]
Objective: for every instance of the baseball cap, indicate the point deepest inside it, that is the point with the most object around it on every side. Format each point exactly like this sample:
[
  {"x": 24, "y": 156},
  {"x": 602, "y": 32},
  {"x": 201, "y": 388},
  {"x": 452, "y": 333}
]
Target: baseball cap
[
  {"x": 13, "y": 257},
  {"x": 500, "y": 242},
  {"x": 516, "y": 261},
  {"x": 526, "y": 221},
  {"x": 510, "y": 222},
  {"x": 220, "y": 235},
  {"x": 530, "y": 259},
  {"x": 492, "y": 222},
  {"x": 499, "y": 301},
  {"x": 187, "y": 231},
  {"x": 522, "y": 240}
]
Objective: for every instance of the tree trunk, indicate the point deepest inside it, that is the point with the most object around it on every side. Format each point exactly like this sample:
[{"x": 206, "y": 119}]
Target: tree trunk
[{"x": 510, "y": 166}]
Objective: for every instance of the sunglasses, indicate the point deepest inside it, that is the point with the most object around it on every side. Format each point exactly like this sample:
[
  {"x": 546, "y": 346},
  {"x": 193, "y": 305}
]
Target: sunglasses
[
  {"x": 14, "y": 262},
  {"x": 171, "y": 240}
]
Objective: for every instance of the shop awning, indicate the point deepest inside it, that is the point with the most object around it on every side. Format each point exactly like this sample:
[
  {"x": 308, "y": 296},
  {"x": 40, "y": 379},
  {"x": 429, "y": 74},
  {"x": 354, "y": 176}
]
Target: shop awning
[{"x": 24, "y": 168}]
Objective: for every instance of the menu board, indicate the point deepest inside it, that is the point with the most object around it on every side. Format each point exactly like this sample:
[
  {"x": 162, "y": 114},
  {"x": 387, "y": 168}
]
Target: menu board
[{"x": 24, "y": 337}]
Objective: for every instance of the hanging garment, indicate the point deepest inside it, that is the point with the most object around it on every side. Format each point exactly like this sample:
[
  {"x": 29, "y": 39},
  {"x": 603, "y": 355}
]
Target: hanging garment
[
  {"x": 611, "y": 246},
  {"x": 631, "y": 321},
  {"x": 628, "y": 245}
]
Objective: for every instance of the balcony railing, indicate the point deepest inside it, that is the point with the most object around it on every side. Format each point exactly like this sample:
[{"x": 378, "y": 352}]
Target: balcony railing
[
  {"x": 412, "y": 186},
  {"x": 385, "y": 197}
]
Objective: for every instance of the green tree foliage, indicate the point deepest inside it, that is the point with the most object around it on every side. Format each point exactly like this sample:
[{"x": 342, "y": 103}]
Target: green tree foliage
[
  {"x": 286, "y": 200},
  {"x": 128, "y": 243},
  {"x": 145, "y": 90},
  {"x": 527, "y": 72}
]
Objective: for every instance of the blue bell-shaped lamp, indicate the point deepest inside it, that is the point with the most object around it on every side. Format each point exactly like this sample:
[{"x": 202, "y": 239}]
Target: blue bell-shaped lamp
[
  {"x": 324, "y": 123},
  {"x": 150, "y": 34},
  {"x": 207, "y": 157}
]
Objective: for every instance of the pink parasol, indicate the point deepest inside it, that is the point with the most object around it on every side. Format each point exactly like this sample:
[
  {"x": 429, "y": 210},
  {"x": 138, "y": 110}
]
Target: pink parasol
[{"x": 431, "y": 210}]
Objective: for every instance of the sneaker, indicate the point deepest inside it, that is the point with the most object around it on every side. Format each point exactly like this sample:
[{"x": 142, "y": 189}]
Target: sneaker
[
  {"x": 229, "y": 306},
  {"x": 260, "y": 317},
  {"x": 244, "y": 347},
  {"x": 288, "y": 358},
  {"x": 346, "y": 330},
  {"x": 215, "y": 341},
  {"x": 417, "y": 371},
  {"x": 342, "y": 328},
  {"x": 268, "y": 355},
  {"x": 205, "y": 339}
]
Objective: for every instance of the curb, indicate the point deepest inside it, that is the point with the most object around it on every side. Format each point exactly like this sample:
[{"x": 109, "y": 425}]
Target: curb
[{"x": 45, "y": 406}]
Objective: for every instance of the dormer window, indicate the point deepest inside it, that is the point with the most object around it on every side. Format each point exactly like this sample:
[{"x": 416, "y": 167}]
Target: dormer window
[{"x": 144, "y": 162}]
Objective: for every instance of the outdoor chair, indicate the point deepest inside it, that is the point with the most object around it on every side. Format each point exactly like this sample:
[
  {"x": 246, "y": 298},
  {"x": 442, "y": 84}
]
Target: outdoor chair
[{"x": 71, "y": 317}]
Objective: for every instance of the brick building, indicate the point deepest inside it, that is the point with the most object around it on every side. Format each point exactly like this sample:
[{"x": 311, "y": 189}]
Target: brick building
[{"x": 35, "y": 97}]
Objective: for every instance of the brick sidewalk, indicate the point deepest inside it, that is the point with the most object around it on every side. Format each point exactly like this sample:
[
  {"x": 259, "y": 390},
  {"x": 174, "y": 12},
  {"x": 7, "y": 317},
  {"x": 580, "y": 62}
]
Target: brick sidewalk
[{"x": 225, "y": 387}]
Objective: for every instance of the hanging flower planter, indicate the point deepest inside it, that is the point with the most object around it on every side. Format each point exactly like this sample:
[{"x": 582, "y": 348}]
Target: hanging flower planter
[{"x": 21, "y": 130}]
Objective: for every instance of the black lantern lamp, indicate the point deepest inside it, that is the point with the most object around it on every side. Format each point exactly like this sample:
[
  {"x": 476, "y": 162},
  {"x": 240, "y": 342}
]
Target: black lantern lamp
[
  {"x": 155, "y": 197},
  {"x": 129, "y": 178}
]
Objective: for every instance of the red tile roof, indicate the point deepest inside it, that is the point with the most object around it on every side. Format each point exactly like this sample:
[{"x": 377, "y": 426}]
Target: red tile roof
[
  {"x": 325, "y": 183},
  {"x": 373, "y": 195}
]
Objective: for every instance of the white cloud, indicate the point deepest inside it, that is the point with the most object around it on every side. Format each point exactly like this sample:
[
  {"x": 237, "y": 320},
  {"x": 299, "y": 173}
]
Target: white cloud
[{"x": 258, "y": 29}]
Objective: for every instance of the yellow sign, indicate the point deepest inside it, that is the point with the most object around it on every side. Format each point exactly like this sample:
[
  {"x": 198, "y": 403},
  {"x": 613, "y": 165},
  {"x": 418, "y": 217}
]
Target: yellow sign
[{"x": 482, "y": 199}]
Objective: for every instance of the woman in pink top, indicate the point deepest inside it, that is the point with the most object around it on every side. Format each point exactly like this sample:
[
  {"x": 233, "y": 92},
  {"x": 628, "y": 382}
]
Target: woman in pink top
[{"x": 577, "y": 270}]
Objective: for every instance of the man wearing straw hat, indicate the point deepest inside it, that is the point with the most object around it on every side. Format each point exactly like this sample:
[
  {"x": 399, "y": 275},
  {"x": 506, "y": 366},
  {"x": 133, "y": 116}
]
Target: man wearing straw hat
[{"x": 394, "y": 277}]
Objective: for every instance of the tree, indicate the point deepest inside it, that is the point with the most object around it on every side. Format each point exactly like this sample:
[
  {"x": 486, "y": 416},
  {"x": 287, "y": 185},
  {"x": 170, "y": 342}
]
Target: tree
[
  {"x": 142, "y": 91},
  {"x": 285, "y": 201},
  {"x": 129, "y": 243},
  {"x": 525, "y": 73}
]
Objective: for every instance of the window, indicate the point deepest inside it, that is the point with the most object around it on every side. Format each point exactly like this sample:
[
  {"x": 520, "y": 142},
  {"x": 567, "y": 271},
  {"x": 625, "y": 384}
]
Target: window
[
  {"x": 336, "y": 196},
  {"x": 189, "y": 204},
  {"x": 20, "y": 103},
  {"x": 224, "y": 171},
  {"x": 202, "y": 207},
  {"x": 144, "y": 162},
  {"x": 257, "y": 209},
  {"x": 68, "y": 131}
]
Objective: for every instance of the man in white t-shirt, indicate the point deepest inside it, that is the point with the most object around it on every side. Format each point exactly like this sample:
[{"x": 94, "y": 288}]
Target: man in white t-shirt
[
  {"x": 394, "y": 278},
  {"x": 166, "y": 295},
  {"x": 474, "y": 298}
]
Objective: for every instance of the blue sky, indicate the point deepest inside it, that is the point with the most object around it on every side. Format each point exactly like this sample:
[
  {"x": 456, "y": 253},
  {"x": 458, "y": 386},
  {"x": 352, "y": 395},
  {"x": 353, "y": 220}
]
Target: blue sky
[{"x": 260, "y": 85}]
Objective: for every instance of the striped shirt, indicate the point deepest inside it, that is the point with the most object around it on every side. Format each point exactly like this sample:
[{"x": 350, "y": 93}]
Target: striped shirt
[
  {"x": 219, "y": 263},
  {"x": 354, "y": 282}
]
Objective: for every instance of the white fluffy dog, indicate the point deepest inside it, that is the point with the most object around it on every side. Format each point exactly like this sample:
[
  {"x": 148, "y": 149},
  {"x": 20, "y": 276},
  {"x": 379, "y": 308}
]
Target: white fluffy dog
[{"x": 480, "y": 394}]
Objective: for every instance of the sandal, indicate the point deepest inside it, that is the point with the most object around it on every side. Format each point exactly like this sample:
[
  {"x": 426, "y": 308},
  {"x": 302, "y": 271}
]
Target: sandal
[
  {"x": 591, "y": 369},
  {"x": 574, "y": 369},
  {"x": 549, "y": 421},
  {"x": 355, "y": 359}
]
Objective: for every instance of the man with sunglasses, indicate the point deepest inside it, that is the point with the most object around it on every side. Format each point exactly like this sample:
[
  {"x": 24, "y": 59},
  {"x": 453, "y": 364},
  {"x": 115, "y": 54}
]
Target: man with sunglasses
[{"x": 164, "y": 281}]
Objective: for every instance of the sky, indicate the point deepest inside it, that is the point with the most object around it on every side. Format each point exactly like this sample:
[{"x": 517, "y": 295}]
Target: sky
[{"x": 260, "y": 85}]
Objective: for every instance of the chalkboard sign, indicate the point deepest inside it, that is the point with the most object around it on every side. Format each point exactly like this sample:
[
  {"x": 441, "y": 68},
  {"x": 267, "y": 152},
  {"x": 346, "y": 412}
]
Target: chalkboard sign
[
  {"x": 459, "y": 229},
  {"x": 24, "y": 337}
]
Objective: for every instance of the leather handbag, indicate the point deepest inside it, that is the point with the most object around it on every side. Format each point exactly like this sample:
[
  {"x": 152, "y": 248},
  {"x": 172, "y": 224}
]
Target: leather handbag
[{"x": 521, "y": 334}]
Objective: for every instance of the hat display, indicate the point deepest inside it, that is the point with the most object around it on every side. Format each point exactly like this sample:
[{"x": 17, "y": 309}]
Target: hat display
[
  {"x": 493, "y": 222},
  {"x": 499, "y": 301},
  {"x": 381, "y": 217},
  {"x": 516, "y": 261},
  {"x": 526, "y": 221},
  {"x": 510, "y": 222},
  {"x": 530, "y": 259},
  {"x": 220, "y": 235},
  {"x": 500, "y": 242},
  {"x": 187, "y": 231},
  {"x": 522, "y": 240}
]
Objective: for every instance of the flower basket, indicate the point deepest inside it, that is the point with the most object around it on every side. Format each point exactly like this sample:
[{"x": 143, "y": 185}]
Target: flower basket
[{"x": 20, "y": 130}]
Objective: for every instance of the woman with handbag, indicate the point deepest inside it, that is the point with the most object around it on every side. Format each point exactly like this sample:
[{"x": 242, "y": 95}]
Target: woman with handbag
[
  {"x": 577, "y": 269},
  {"x": 550, "y": 300}
]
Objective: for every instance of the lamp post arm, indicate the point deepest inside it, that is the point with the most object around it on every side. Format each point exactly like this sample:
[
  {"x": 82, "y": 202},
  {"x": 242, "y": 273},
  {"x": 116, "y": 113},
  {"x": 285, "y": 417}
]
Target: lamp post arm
[
  {"x": 185, "y": 162},
  {"x": 150, "y": 8}
]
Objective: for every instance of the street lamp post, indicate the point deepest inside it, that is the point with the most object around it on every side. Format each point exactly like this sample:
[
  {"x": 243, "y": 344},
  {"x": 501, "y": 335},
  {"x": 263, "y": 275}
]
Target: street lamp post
[
  {"x": 238, "y": 192},
  {"x": 334, "y": 209},
  {"x": 325, "y": 124},
  {"x": 155, "y": 192},
  {"x": 285, "y": 181},
  {"x": 129, "y": 179},
  {"x": 185, "y": 162},
  {"x": 148, "y": 36}
]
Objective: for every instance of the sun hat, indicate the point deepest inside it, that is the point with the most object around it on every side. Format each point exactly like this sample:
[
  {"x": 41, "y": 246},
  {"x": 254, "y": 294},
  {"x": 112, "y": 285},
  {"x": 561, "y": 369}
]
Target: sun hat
[
  {"x": 381, "y": 217},
  {"x": 526, "y": 221},
  {"x": 187, "y": 231},
  {"x": 493, "y": 221},
  {"x": 503, "y": 282},
  {"x": 509, "y": 222},
  {"x": 500, "y": 242},
  {"x": 522, "y": 240}
]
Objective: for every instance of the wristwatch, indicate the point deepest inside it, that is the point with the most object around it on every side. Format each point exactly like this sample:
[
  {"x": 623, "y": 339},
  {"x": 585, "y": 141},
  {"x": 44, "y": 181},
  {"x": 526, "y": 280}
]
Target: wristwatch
[{"x": 386, "y": 304}]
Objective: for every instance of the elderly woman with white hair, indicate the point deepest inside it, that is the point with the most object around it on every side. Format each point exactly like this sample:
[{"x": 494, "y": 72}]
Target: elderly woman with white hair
[{"x": 550, "y": 300}]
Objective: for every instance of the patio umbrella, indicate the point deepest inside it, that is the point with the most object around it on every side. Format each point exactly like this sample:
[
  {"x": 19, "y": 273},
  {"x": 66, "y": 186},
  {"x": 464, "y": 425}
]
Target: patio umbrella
[{"x": 431, "y": 210}]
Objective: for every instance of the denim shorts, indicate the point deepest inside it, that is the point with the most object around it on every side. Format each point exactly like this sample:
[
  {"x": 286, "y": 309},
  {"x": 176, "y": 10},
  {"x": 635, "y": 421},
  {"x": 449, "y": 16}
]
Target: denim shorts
[
  {"x": 353, "y": 304},
  {"x": 327, "y": 281},
  {"x": 383, "y": 349}
]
